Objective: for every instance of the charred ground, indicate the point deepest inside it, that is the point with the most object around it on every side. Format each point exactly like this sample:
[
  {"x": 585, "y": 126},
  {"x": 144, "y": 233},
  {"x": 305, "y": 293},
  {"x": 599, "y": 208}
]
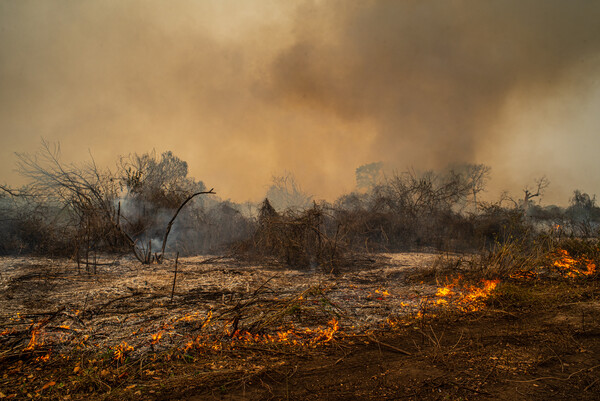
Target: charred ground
[{"x": 407, "y": 327}]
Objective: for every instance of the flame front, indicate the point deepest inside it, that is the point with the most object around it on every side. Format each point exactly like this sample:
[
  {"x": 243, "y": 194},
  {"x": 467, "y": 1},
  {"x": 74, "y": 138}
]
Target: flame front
[
  {"x": 468, "y": 299},
  {"x": 570, "y": 267}
]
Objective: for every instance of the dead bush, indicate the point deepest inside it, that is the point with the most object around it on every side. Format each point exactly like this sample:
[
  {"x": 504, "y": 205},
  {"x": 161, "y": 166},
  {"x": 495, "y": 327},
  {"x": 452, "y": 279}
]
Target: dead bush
[{"x": 296, "y": 239}]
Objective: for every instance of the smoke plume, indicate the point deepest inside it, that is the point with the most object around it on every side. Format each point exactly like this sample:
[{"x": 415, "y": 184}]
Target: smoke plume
[{"x": 245, "y": 90}]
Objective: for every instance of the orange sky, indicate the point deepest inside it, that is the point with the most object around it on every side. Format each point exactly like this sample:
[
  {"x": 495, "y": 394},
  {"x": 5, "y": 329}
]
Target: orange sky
[{"x": 246, "y": 90}]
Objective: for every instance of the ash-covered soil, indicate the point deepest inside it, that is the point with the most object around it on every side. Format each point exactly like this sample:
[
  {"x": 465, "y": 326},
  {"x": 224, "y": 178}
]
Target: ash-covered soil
[
  {"x": 119, "y": 299},
  {"x": 231, "y": 331}
]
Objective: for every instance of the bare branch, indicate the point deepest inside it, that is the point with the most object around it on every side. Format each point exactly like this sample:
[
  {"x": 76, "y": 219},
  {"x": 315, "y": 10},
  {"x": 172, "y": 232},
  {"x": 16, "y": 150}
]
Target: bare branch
[{"x": 168, "y": 230}]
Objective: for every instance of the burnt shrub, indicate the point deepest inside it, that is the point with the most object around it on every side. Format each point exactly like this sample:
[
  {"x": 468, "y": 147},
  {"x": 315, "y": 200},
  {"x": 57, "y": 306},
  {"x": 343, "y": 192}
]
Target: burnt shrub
[{"x": 300, "y": 239}]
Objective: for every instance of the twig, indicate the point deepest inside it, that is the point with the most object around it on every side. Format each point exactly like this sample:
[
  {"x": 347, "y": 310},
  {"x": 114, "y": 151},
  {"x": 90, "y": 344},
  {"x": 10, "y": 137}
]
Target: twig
[
  {"x": 11, "y": 192},
  {"x": 553, "y": 377},
  {"x": 100, "y": 307},
  {"x": 372, "y": 338},
  {"x": 274, "y": 351},
  {"x": 210, "y": 260},
  {"x": 174, "y": 277},
  {"x": 590, "y": 385},
  {"x": 469, "y": 388},
  {"x": 256, "y": 292}
]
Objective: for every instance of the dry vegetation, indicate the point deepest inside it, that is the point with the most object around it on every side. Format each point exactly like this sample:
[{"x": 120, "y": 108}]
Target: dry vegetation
[
  {"x": 419, "y": 326},
  {"x": 491, "y": 302}
]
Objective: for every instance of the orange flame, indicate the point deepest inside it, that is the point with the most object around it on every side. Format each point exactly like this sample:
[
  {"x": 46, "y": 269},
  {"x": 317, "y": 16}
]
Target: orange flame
[
  {"x": 329, "y": 332},
  {"x": 121, "y": 350},
  {"x": 570, "y": 267},
  {"x": 469, "y": 299},
  {"x": 33, "y": 341},
  {"x": 43, "y": 358},
  {"x": 472, "y": 300},
  {"x": 156, "y": 337},
  {"x": 294, "y": 337}
]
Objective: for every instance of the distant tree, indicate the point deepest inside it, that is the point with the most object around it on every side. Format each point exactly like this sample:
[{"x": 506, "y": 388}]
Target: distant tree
[
  {"x": 534, "y": 192},
  {"x": 91, "y": 201},
  {"x": 81, "y": 197},
  {"x": 581, "y": 200},
  {"x": 475, "y": 177},
  {"x": 352, "y": 201},
  {"x": 285, "y": 193},
  {"x": 425, "y": 193},
  {"x": 161, "y": 181},
  {"x": 583, "y": 213},
  {"x": 369, "y": 175}
]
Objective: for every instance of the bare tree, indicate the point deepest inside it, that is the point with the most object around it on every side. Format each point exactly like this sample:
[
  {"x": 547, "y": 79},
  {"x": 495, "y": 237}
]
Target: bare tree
[
  {"x": 536, "y": 192},
  {"x": 369, "y": 175},
  {"x": 85, "y": 192},
  {"x": 285, "y": 193},
  {"x": 91, "y": 194},
  {"x": 419, "y": 194},
  {"x": 475, "y": 177}
]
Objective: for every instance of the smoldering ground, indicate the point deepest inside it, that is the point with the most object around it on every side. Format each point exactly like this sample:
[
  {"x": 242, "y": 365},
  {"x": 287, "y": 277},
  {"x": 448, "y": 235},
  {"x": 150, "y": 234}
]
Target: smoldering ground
[{"x": 244, "y": 90}]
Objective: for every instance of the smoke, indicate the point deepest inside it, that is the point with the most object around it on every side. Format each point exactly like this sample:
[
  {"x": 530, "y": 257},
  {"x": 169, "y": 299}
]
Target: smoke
[
  {"x": 433, "y": 75},
  {"x": 245, "y": 90}
]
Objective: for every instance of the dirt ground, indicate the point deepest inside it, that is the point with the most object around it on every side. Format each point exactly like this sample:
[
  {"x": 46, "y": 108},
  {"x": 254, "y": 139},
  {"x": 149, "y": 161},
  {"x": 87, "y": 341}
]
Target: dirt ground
[{"x": 230, "y": 331}]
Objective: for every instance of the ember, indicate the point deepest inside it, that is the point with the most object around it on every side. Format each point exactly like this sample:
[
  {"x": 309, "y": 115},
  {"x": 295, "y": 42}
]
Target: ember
[
  {"x": 156, "y": 338},
  {"x": 43, "y": 358},
  {"x": 121, "y": 350},
  {"x": 33, "y": 342}
]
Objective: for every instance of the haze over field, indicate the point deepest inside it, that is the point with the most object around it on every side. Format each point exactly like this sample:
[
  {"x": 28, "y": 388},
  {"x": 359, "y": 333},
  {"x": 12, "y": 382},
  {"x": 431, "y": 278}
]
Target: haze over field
[{"x": 245, "y": 90}]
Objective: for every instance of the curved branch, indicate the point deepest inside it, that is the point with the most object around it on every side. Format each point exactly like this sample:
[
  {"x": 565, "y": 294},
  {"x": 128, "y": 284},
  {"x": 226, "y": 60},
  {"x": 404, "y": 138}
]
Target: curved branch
[{"x": 168, "y": 230}]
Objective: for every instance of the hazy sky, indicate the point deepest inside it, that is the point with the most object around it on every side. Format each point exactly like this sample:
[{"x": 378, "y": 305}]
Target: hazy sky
[{"x": 244, "y": 90}]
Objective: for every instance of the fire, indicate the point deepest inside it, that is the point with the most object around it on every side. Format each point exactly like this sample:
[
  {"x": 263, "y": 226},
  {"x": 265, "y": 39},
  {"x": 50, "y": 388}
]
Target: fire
[
  {"x": 292, "y": 337},
  {"x": 33, "y": 342},
  {"x": 524, "y": 275},
  {"x": 17, "y": 317},
  {"x": 570, "y": 267},
  {"x": 444, "y": 292},
  {"x": 475, "y": 294},
  {"x": 563, "y": 263},
  {"x": 329, "y": 332},
  {"x": 468, "y": 299},
  {"x": 385, "y": 293},
  {"x": 207, "y": 320},
  {"x": 43, "y": 358},
  {"x": 156, "y": 337},
  {"x": 189, "y": 318},
  {"x": 121, "y": 350}
]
